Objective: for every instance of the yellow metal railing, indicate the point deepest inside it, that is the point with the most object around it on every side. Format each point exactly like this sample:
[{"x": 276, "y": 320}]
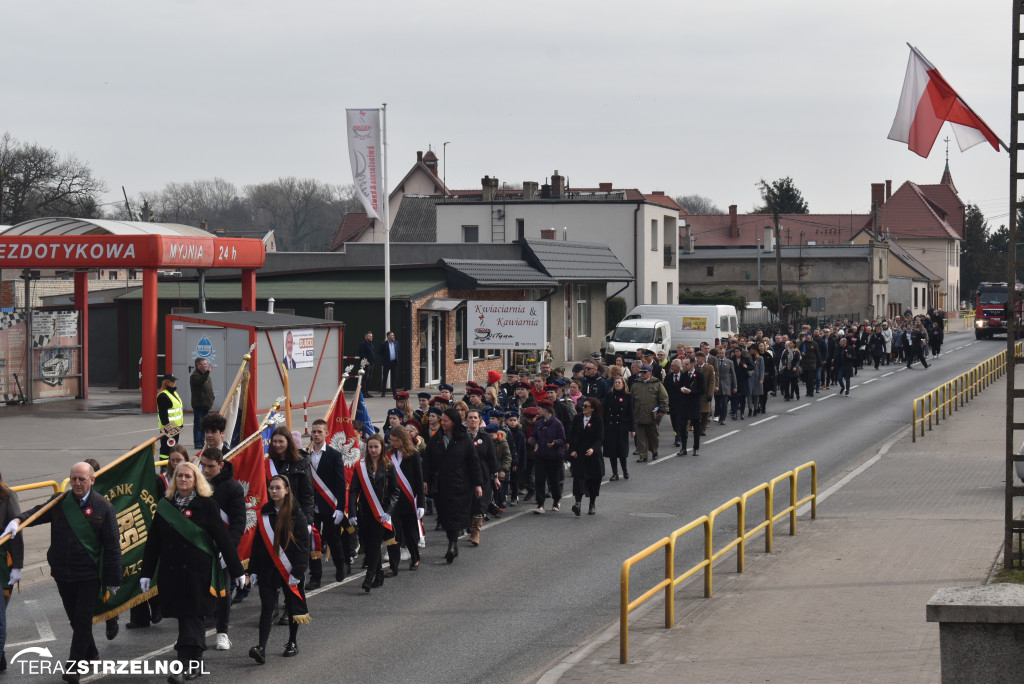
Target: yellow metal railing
[
  {"x": 942, "y": 401},
  {"x": 49, "y": 484},
  {"x": 707, "y": 523}
]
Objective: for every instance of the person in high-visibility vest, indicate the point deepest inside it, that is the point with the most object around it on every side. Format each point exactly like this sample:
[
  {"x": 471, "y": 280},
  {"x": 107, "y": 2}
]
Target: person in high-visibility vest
[{"x": 170, "y": 413}]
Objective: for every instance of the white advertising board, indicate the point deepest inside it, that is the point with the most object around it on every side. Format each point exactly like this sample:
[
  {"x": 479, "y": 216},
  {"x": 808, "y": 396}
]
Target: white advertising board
[{"x": 507, "y": 325}]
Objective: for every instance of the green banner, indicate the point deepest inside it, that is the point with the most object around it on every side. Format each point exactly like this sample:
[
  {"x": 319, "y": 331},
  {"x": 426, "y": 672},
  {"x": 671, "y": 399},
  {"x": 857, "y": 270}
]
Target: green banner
[{"x": 131, "y": 488}]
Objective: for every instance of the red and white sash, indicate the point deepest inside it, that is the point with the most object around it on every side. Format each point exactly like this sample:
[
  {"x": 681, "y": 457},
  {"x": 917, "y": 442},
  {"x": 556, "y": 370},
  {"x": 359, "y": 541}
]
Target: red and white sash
[
  {"x": 323, "y": 490},
  {"x": 281, "y": 562},
  {"x": 403, "y": 484},
  {"x": 271, "y": 469},
  {"x": 371, "y": 496}
]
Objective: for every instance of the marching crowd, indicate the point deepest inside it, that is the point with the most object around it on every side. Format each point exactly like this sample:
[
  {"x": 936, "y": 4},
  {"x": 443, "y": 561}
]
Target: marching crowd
[{"x": 461, "y": 459}]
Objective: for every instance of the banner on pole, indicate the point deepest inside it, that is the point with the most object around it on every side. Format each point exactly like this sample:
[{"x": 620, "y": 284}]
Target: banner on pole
[{"x": 364, "y": 151}]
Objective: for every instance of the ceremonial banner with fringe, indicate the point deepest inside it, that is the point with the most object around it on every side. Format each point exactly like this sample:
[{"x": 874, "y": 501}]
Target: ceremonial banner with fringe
[
  {"x": 248, "y": 463},
  {"x": 130, "y": 486}
]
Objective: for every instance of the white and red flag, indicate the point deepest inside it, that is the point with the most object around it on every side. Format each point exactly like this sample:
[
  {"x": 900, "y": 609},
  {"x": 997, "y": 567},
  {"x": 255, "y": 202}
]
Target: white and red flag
[
  {"x": 926, "y": 103},
  {"x": 250, "y": 472},
  {"x": 365, "y": 152},
  {"x": 342, "y": 435}
]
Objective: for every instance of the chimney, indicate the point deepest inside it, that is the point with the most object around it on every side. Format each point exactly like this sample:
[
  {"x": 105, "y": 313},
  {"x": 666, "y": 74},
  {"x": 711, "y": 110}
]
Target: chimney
[
  {"x": 419, "y": 156},
  {"x": 557, "y": 185},
  {"x": 490, "y": 188},
  {"x": 877, "y": 194},
  {"x": 688, "y": 240},
  {"x": 548, "y": 234},
  {"x": 660, "y": 193},
  {"x": 545, "y": 191},
  {"x": 888, "y": 190},
  {"x": 604, "y": 187},
  {"x": 769, "y": 239},
  {"x": 530, "y": 190},
  {"x": 734, "y": 226}
]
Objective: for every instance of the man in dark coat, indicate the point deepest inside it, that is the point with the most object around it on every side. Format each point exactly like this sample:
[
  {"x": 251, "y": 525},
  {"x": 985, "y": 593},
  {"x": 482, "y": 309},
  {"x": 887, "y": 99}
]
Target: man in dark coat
[
  {"x": 230, "y": 498},
  {"x": 691, "y": 390},
  {"x": 328, "y": 468},
  {"x": 484, "y": 447},
  {"x": 675, "y": 398},
  {"x": 84, "y": 556},
  {"x": 388, "y": 362},
  {"x": 367, "y": 360},
  {"x": 452, "y": 477},
  {"x": 810, "y": 361},
  {"x": 201, "y": 398},
  {"x": 548, "y": 442}
]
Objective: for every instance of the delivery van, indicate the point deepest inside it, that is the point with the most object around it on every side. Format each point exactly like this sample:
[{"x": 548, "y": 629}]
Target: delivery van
[
  {"x": 633, "y": 335},
  {"x": 692, "y": 324}
]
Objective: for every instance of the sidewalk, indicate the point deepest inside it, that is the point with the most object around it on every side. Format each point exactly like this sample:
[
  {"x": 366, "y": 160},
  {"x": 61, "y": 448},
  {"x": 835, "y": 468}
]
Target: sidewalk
[{"x": 844, "y": 600}]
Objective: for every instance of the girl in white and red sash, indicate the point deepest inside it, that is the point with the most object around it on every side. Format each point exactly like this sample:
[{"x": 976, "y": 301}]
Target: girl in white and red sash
[
  {"x": 372, "y": 497},
  {"x": 280, "y": 554},
  {"x": 409, "y": 511}
]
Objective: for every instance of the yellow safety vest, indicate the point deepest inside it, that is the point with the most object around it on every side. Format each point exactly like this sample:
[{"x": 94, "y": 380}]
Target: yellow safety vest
[{"x": 175, "y": 414}]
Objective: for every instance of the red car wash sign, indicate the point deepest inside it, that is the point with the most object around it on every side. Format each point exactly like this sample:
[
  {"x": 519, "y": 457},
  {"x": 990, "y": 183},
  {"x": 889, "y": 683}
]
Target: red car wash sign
[{"x": 136, "y": 251}]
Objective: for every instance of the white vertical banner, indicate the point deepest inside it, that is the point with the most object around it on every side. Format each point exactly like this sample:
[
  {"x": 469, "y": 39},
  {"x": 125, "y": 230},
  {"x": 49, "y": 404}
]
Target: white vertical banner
[{"x": 365, "y": 152}]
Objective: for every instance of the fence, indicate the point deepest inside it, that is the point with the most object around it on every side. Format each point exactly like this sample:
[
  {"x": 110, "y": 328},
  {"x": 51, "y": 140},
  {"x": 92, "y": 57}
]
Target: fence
[
  {"x": 707, "y": 523},
  {"x": 941, "y": 402}
]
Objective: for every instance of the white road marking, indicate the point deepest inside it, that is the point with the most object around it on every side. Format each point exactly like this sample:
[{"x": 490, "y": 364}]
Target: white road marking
[
  {"x": 867, "y": 381},
  {"x": 42, "y": 626},
  {"x": 797, "y": 408},
  {"x": 827, "y": 396},
  {"x": 715, "y": 439},
  {"x": 765, "y": 420},
  {"x": 888, "y": 374}
]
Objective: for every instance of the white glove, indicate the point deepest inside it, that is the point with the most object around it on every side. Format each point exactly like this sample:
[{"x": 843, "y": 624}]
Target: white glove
[
  {"x": 223, "y": 563},
  {"x": 353, "y": 520},
  {"x": 15, "y": 576},
  {"x": 144, "y": 584},
  {"x": 385, "y": 519},
  {"x": 240, "y": 582},
  {"x": 419, "y": 514},
  {"x": 338, "y": 517},
  {"x": 12, "y": 528},
  {"x": 292, "y": 582},
  {"x": 252, "y": 579},
  {"x": 113, "y": 590}
]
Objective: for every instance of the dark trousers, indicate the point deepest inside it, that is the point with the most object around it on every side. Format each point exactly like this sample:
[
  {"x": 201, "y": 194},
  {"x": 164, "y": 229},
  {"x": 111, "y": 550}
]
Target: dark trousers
[
  {"x": 198, "y": 438},
  {"x": 550, "y": 472},
  {"x": 844, "y": 379},
  {"x": 695, "y": 422},
  {"x": 591, "y": 486},
  {"x": 721, "y": 406},
  {"x": 331, "y": 534},
  {"x": 268, "y": 587},
  {"x": 739, "y": 403},
  {"x": 223, "y": 610},
  {"x": 678, "y": 421},
  {"x": 810, "y": 376},
  {"x": 79, "y": 599},
  {"x": 388, "y": 368},
  {"x": 371, "y": 534},
  {"x": 916, "y": 355},
  {"x": 407, "y": 532}
]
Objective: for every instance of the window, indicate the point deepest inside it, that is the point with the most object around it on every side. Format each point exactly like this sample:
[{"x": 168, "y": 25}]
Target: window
[
  {"x": 668, "y": 293},
  {"x": 132, "y": 274},
  {"x": 654, "y": 235},
  {"x": 880, "y": 274},
  {"x": 111, "y": 275},
  {"x": 915, "y": 297},
  {"x": 711, "y": 271},
  {"x": 460, "y": 334},
  {"x": 654, "y": 292},
  {"x": 471, "y": 233},
  {"x": 520, "y": 229},
  {"x": 582, "y": 311}
]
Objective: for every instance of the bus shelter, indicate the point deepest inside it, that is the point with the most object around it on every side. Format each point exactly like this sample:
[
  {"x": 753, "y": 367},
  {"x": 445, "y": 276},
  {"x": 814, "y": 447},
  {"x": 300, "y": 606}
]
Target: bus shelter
[{"x": 82, "y": 245}]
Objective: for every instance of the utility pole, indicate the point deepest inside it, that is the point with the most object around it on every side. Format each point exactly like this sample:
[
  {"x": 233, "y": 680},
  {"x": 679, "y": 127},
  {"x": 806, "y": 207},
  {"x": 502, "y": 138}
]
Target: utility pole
[{"x": 778, "y": 268}]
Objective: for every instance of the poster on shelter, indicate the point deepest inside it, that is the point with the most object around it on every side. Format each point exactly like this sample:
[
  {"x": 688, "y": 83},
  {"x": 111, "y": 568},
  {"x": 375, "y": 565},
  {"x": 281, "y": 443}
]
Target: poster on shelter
[
  {"x": 507, "y": 325},
  {"x": 12, "y": 354},
  {"x": 56, "y": 354},
  {"x": 299, "y": 349}
]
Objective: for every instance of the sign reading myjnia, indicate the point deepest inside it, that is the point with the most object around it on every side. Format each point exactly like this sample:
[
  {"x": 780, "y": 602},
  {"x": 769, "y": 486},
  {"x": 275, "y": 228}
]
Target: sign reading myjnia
[{"x": 507, "y": 325}]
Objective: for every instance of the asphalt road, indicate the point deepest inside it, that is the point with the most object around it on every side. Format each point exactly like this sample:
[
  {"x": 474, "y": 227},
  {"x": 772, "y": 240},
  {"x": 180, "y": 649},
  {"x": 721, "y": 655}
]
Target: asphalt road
[{"x": 538, "y": 586}]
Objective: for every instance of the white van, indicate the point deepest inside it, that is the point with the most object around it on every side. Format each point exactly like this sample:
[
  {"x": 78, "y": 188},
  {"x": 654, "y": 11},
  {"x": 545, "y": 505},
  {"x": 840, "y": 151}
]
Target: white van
[
  {"x": 692, "y": 324},
  {"x": 635, "y": 334}
]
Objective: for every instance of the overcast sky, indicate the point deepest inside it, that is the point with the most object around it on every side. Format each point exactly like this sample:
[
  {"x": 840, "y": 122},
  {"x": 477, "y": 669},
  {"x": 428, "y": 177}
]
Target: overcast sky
[{"x": 686, "y": 97}]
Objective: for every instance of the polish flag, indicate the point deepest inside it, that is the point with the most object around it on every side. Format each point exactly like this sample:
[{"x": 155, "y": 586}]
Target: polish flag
[{"x": 926, "y": 103}]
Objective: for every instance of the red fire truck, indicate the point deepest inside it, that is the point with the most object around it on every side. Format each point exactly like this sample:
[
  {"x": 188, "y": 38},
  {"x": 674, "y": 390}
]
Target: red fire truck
[{"x": 990, "y": 312}]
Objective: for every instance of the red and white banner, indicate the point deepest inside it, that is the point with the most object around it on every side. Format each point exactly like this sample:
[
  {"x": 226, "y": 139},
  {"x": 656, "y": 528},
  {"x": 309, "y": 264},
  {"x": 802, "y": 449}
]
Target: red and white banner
[
  {"x": 928, "y": 101},
  {"x": 250, "y": 472},
  {"x": 342, "y": 436},
  {"x": 366, "y": 154},
  {"x": 284, "y": 566}
]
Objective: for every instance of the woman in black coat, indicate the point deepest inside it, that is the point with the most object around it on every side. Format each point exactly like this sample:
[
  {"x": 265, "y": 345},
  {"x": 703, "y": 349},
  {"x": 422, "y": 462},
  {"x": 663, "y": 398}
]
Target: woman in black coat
[
  {"x": 409, "y": 509},
  {"x": 281, "y": 527},
  {"x": 287, "y": 460},
  {"x": 586, "y": 439},
  {"x": 453, "y": 476},
  {"x": 380, "y": 475},
  {"x": 186, "y": 535},
  {"x": 743, "y": 367},
  {"x": 618, "y": 426}
]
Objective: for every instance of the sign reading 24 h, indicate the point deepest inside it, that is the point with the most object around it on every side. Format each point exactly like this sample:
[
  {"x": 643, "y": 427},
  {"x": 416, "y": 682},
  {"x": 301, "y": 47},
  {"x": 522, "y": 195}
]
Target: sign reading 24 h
[{"x": 507, "y": 325}]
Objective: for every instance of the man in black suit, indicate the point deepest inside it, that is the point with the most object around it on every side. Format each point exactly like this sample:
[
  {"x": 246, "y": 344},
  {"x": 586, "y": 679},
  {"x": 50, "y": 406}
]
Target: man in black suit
[
  {"x": 673, "y": 379},
  {"x": 691, "y": 388},
  {"x": 388, "y": 362},
  {"x": 328, "y": 469},
  {"x": 367, "y": 359}
]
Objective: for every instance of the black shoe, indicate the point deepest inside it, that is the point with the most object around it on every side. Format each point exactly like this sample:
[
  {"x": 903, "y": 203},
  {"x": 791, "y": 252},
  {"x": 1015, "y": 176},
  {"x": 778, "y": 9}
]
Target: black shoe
[
  {"x": 721, "y": 421},
  {"x": 285, "y": 620},
  {"x": 592, "y": 510},
  {"x": 625, "y": 475},
  {"x": 291, "y": 649},
  {"x": 259, "y": 654},
  {"x": 452, "y": 551},
  {"x": 675, "y": 443},
  {"x": 414, "y": 565},
  {"x": 695, "y": 453},
  {"x": 171, "y": 679},
  {"x": 654, "y": 456},
  {"x": 189, "y": 676},
  {"x": 681, "y": 452},
  {"x": 113, "y": 627},
  {"x": 614, "y": 477},
  {"x": 378, "y": 580},
  {"x": 3, "y": 662},
  {"x": 576, "y": 508},
  {"x": 158, "y": 616},
  {"x": 314, "y": 583}
]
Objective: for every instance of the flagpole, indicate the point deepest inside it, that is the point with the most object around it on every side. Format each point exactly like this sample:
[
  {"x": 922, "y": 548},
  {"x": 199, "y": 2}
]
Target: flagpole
[
  {"x": 249, "y": 440},
  {"x": 53, "y": 502},
  {"x": 387, "y": 227},
  {"x": 287, "y": 398},
  {"x": 238, "y": 378},
  {"x": 359, "y": 389}
]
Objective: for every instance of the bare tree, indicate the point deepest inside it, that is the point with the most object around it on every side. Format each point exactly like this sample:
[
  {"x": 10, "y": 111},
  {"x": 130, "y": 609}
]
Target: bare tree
[
  {"x": 37, "y": 181},
  {"x": 698, "y": 204},
  {"x": 303, "y": 212}
]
